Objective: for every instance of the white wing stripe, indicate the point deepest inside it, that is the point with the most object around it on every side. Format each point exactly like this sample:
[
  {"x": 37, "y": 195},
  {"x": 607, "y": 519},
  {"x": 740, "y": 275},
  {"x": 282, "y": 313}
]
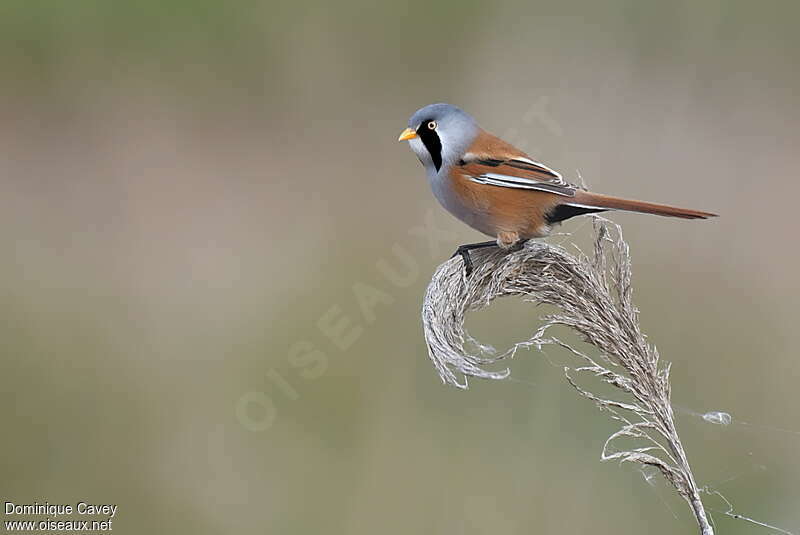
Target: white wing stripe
[
  {"x": 538, "y": 164},
  {"x": 472, "y": 157},
  {"x": 506, "y": 181}
]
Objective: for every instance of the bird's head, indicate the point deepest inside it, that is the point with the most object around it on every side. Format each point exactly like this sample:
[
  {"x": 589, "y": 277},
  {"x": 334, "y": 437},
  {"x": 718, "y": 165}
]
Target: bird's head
[{"x": 439, "y": 134}]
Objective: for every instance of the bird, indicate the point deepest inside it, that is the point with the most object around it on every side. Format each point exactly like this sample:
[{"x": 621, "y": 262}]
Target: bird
[{"x": 499, "y": 190}]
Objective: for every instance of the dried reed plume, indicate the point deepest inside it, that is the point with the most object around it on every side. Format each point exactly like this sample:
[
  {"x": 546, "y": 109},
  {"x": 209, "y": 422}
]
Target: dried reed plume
[{"x": 593, "y": 296}]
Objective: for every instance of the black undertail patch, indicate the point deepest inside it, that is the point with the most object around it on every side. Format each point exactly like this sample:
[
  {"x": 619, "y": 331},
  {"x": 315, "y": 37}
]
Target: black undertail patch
[{"x": 563, "y": 212}]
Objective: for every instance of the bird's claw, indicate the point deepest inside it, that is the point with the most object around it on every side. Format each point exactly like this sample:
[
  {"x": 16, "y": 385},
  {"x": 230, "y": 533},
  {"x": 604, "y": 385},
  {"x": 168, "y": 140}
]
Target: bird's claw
[{"x": 464, "y": 253}]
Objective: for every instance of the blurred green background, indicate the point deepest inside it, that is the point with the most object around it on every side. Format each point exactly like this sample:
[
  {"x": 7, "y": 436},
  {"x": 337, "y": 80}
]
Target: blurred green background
[{"x": 193, "y": 192}]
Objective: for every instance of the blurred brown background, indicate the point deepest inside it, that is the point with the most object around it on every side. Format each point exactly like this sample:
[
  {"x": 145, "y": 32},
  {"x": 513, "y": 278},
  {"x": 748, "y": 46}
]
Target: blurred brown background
[{"x": 189, "y": 189}]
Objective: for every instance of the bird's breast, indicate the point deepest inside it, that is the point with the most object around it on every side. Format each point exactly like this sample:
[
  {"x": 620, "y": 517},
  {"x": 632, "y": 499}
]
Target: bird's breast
[
  {"x": 469, "y": 208},
  {"x": 492, "y": 209}
]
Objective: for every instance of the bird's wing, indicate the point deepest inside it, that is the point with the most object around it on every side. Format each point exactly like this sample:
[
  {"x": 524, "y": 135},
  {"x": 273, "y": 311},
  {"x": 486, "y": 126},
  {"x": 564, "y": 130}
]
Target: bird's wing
[{"x": 518, "y": 172}]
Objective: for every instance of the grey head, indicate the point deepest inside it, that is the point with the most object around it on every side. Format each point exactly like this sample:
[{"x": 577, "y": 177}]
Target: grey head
[{"x": 440, "y": 134}]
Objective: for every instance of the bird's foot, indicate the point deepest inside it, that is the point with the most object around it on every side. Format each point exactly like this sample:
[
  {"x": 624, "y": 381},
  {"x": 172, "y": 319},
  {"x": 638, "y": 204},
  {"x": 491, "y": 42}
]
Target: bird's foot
[
  {"x": 466, "y": 258},
  {"x": 463, "y": 251}
]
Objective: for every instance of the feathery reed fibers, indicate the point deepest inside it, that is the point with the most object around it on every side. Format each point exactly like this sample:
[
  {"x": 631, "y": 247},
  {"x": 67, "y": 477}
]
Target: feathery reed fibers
[{"x": 593, "y": 297}]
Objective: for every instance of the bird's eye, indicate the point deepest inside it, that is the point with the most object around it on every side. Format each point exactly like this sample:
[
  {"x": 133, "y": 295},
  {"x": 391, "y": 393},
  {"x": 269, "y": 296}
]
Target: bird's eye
[{"x": 431, "y": 125}]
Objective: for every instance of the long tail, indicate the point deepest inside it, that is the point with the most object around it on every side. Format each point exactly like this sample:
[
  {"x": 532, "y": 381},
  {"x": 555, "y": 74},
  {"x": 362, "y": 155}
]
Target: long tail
[{"x": 599, "y": 202}]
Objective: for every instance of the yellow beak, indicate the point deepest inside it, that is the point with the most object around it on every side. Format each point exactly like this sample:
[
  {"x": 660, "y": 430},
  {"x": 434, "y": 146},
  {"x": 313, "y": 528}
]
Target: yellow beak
[{"x": 407, "y": 134}]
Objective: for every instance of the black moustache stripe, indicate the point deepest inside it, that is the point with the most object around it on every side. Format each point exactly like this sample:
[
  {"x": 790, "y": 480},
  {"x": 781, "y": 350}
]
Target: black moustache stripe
[{"x": 432, "y": 143}]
